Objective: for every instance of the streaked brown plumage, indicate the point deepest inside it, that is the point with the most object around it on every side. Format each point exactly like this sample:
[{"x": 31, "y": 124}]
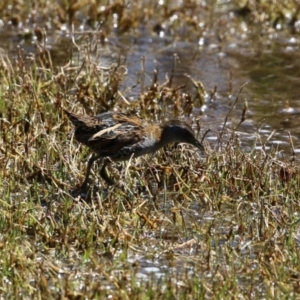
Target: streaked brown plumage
[{"x": 120, "y": 136}]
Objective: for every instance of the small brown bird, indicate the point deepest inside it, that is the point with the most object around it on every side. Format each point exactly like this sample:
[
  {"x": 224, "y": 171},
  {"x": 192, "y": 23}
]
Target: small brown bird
[{"x": 120, "y": 136}]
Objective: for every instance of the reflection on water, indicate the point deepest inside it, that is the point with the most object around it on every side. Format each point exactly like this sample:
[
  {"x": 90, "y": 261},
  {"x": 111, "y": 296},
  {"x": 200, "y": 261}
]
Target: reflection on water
[
  {"x": 271, "y": 71},
  {"x": 273, "y": 90}
]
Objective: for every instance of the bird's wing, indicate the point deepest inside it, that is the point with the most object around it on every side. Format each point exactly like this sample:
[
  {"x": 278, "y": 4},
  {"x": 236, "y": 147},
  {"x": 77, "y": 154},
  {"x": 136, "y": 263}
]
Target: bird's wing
[
  {"x": 106, "y": 133},
  {"x": 122, "y": 130}
]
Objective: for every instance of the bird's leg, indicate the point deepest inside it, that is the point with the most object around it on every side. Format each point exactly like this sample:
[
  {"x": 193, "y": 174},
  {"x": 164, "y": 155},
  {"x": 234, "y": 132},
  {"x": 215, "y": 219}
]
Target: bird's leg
[
  {"x": 92, "y": 159},
  {"x": 105, "y": 176}
]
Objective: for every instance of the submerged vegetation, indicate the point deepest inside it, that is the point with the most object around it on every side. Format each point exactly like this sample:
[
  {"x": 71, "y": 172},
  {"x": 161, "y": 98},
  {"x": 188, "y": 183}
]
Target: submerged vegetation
[{"x": 177, "y": 225}]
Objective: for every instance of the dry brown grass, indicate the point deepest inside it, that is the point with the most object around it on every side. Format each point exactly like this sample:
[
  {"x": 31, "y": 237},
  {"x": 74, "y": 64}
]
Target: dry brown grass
[{"x": 178, "y": 225}]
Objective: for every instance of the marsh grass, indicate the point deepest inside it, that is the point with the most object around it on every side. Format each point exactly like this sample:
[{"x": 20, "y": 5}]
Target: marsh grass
[{"x": 177, "y": 225}]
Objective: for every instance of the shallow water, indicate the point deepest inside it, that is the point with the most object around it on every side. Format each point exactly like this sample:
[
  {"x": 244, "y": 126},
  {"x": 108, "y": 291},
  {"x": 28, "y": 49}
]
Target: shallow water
[{"x": 268, "y": 64}]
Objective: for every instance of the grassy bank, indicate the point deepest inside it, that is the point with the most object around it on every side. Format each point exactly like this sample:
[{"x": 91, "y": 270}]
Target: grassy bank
[{"x": 178, "y": 225}]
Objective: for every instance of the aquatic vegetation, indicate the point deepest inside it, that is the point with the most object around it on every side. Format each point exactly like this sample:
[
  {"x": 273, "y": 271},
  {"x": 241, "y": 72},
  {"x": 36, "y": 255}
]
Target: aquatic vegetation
[{"x": 179, "y": 224}]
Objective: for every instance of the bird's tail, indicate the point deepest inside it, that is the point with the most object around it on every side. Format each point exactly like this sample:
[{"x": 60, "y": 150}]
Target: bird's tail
[{"x": 76, "y": 120}]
